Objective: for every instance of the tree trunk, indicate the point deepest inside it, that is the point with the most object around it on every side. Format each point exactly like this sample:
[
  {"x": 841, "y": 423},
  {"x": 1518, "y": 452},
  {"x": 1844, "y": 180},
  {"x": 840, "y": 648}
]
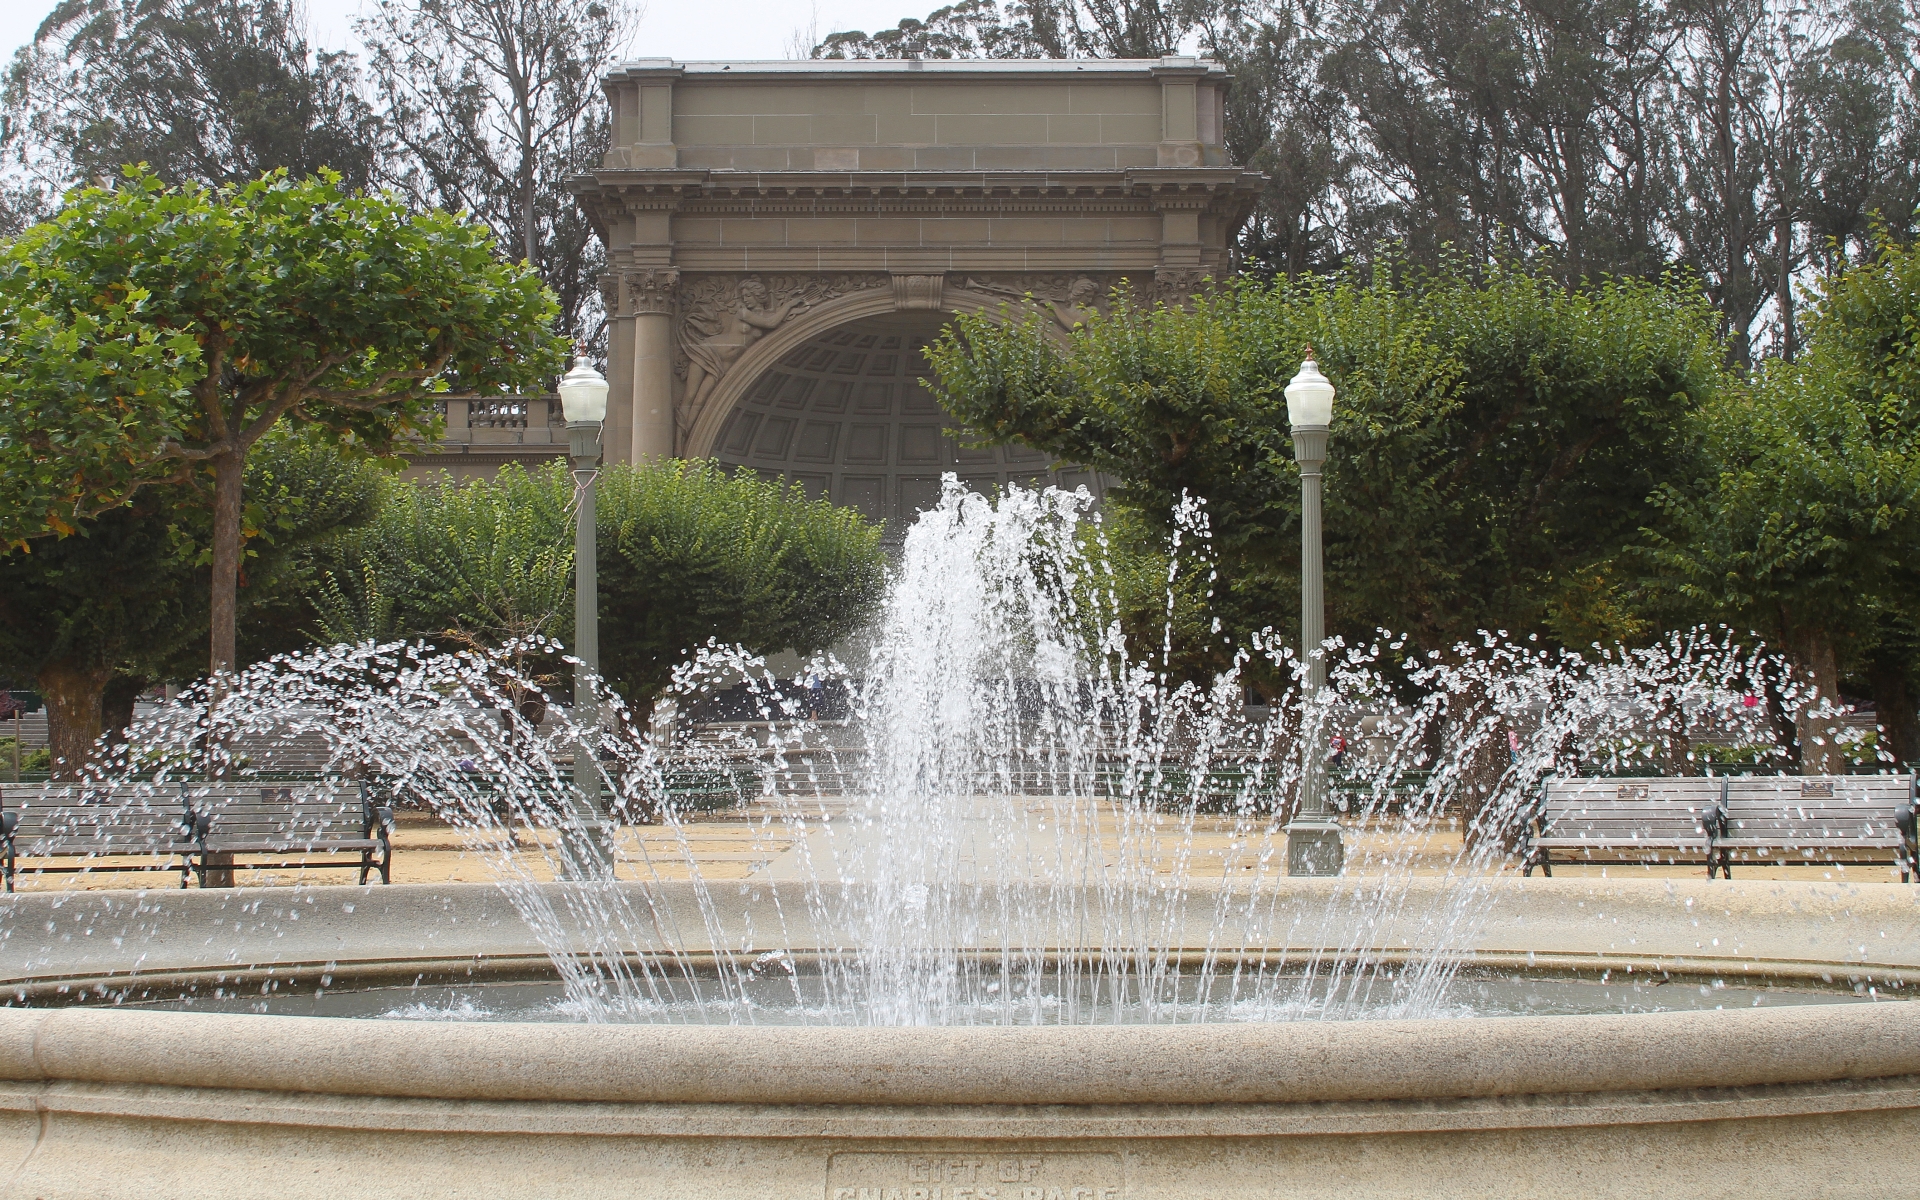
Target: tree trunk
[
  {"x": 116, "y": 706},
  {"x": 1785, "y": 732},
  {"x": 1815, "y": 662},
  {"x": 73, "y": 694},
  {"x": 1894, "y": 706},
  {"x": 1783, "y": 235},
  {"x": 228, "y": 481}
]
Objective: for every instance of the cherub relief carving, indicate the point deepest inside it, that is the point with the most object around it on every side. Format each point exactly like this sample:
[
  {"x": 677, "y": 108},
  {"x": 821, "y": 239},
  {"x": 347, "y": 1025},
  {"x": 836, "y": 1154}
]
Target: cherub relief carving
[
  {"x": 724, "y": 316},
  {"x": 722, "y": 332},
  {"x": 1069, "y": 300}
]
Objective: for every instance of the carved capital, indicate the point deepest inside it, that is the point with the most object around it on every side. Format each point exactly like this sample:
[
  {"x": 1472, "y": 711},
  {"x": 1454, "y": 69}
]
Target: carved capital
[
  {"x": 610, "y": 293},
  {"x": 918, "y": 291},
  {"x": 1178, "y": 285},
  {"x": 651, "y": 289}
]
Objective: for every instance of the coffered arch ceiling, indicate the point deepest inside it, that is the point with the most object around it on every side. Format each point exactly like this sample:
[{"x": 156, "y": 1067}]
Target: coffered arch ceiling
[{"x": 844, "y": 414}]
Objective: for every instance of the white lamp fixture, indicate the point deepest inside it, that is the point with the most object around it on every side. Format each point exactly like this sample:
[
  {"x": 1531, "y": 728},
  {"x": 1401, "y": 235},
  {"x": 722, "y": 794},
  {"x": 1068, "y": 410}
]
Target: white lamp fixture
[
  {"x": 583, "y": 394},
  {"x": 1310, "y": 397}
]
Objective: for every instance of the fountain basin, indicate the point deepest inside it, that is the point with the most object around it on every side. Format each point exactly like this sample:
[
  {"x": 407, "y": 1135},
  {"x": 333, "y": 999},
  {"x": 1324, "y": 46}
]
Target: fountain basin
[{"x": 98, "y": 1102}]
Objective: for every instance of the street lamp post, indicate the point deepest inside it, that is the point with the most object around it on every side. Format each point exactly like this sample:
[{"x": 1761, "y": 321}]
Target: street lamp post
[
  {"x": 583, "y": 398},
  {"x": 1313, "y": 836}
]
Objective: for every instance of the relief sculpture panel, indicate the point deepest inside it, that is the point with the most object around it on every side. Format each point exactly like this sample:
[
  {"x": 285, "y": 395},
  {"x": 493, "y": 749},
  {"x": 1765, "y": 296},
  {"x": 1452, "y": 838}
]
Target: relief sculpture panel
[
  {"x": 1068, "y": 299},
  {"x": 721, "y": 316}
]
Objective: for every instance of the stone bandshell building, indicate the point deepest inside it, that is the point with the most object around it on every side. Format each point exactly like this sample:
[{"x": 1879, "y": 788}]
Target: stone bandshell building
[{"x": 784, "y": 237}]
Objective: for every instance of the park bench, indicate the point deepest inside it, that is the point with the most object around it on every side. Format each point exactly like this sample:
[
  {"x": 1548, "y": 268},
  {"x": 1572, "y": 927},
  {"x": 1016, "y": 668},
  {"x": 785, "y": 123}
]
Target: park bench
[
  {"x": 1817, "y": 819},
  {"x": 263, "y": 826},
  {"x": 1624, "y": 820},
  {"x": 70, "y": 828},
  {"x": 1786, "y": 819}
]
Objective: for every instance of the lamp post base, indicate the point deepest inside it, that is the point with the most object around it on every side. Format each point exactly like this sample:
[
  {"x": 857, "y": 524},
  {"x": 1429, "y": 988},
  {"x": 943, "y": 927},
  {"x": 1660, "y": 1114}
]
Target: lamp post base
[{"x": 1314, "y": 848}]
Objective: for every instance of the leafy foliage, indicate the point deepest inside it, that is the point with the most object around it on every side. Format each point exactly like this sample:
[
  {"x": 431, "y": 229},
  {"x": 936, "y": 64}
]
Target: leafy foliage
[
  {"x": 127, "y": 595},
  {"x": 687, "y": 553},
  {"x": 1805, "y": 520},
  {"x": 148, "y": 329},
  {"x": 205, "y": 91},
  {"x": 150, "y": 333},
  {"x": 487, "y": 560},
  {"x": 1494, "y": 439}
]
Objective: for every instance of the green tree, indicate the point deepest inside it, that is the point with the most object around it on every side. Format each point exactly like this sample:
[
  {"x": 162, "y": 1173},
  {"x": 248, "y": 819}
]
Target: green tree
[
  {"x": 1805, "y": 517},
  {"x": 687, "y": 553},
  {"x": 208, "y": 91},
  {"x": 153, "y": 334},
  {"x": 1494, "y": 445},
  {"x": 98, "y": 616},
  {"x": 488, "y": 560}
]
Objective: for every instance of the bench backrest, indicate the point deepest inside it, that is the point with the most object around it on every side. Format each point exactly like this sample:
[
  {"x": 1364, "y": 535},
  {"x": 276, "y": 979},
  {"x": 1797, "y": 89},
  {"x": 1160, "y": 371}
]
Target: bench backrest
[
  {"x": 304, "y": 813},
  {"x": 64, "y": 819},
  {"x": 1629, "y": 821},
  {"x": 1627, "y": 811},
  {"x": 1872, "y": 807}
]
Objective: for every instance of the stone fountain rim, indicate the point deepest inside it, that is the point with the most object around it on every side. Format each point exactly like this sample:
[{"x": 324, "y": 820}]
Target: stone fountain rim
[
  {"x": 1290, "y": 1063},
  {"x": 1302, "y": 1062}
]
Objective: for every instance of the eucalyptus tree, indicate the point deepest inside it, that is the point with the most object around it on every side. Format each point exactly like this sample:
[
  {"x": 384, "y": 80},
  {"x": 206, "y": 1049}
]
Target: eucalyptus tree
[
  {"x": 496, "y": 104},
  {"x": 1025, "y": 29},
  {"x": 209, "y": 91}
]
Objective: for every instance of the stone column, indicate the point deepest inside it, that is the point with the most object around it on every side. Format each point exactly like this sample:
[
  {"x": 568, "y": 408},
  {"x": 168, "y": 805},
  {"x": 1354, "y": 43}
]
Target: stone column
[
  {"x": 617, "y": 433},
  {"x": 650, "y": 298}
]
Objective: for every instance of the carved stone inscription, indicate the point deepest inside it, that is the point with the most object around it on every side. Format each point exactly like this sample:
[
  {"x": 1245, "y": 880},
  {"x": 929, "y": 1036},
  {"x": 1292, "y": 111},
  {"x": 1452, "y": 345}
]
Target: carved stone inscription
[{"x": 988, "y": 1174}]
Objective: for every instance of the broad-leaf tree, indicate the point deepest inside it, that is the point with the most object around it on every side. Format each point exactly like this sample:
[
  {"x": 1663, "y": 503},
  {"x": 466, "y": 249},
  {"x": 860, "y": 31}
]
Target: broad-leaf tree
[
  {"x": 690, "y": 553},
  {"x": 98, "y": 616},
  {"x": 488, "y": 561},
  {"x": 1804, "y": 520},
  {"x": 687, "y": 554},
  {"x": 1494, "y": 444},
  {"x": 153, "y": 334}
]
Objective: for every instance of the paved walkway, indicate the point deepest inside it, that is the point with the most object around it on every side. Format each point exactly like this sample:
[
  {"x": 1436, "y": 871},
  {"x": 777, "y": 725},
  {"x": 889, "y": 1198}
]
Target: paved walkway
[{"x": 787, "y": 846}]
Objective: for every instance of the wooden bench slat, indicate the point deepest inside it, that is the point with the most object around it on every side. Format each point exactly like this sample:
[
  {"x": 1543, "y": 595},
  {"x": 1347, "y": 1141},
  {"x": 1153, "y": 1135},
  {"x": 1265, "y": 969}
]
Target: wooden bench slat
[
  {"x": 1807, "y": 818},
  {"x": 186, "y": 825}
]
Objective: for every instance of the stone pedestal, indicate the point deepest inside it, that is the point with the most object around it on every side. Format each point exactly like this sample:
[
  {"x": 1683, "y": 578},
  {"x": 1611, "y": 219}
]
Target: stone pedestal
[{"x": 1314, "y": 848}]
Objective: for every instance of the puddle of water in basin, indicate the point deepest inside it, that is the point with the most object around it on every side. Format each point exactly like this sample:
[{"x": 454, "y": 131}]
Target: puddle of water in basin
[{"x": 801, "y": 1001}]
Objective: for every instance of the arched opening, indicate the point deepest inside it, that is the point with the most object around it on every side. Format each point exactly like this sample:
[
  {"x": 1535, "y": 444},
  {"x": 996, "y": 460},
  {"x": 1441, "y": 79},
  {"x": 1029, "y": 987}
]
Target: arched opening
[{"x": 844, "y": 414}]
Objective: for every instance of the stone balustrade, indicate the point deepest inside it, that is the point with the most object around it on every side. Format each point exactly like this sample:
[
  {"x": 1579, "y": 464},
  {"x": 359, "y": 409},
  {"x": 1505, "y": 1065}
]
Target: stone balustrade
[{"x": 485, "y": 433}]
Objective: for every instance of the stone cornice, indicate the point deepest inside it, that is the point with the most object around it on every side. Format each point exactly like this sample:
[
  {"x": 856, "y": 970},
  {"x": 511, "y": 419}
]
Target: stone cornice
[{"x": 656, "y": 187}]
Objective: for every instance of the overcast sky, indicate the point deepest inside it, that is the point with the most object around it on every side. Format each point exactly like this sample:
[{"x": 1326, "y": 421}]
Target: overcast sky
[{"x": 684, "y": 29}]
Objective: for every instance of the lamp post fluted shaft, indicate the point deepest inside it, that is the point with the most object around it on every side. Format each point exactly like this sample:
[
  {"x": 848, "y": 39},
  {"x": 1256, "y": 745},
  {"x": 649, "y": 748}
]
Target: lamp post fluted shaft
[
  {"x": 584, "y": 437},
  {"x": 1314, "y": 844},
  {"x": 586, "y": 602},
  {"x": 583, "y": 396}
]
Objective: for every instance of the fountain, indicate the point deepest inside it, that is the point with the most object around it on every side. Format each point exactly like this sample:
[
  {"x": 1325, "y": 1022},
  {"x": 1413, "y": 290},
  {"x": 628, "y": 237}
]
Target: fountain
[{"x": 1021, "y": 931}]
